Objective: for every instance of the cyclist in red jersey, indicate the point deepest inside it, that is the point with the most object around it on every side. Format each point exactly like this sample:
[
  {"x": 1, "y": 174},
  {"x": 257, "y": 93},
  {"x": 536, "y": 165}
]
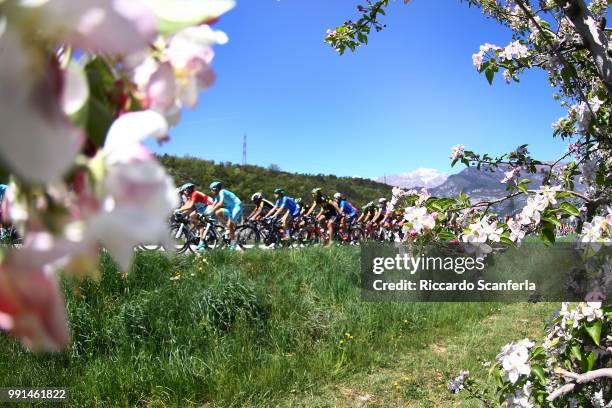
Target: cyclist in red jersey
[{"x": 195, "y": 206}]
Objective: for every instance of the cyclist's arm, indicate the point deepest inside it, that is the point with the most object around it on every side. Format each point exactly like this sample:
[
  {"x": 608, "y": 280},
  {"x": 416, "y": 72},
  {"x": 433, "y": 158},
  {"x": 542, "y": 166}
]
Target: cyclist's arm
[
  {"x": 272, "y": 212},
  {"x": 254, "y": 213},
  {"x": 215, "y": 206},
  {"x": 312, "y": 207},
  {"x": 376, "y": 215},
  {"x": 339, "y": 210},
  {"x": 187, "y": 207},
  {"x": 279, "y": 210}
]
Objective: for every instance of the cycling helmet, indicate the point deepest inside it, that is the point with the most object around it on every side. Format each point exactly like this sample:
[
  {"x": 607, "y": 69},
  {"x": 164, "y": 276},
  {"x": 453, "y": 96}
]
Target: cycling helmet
[
  {"x": 215, "y": 185},
  {"x": 257, "y": 196},
  {"x": 316, "y": 191},
  {"x": 382, "y": 200},
  {"x": 279, "y": 191},
  {"x": 337, "y": 196},
  {"x": 185, "y": 187}
]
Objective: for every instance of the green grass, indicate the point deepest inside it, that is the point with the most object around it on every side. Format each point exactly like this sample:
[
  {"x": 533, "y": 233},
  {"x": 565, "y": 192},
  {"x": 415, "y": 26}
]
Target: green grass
[{"x": 260, "y": 329}]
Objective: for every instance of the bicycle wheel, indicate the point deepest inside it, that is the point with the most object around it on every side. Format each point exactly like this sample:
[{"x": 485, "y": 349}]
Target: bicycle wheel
[
  {"x": 356, "y": 235},
  {"x": 211, "y": 240},
  {"x": 178, "y": 238},
  {"x": 13, "y": 238},
  {"x": 247, "y": 237}
]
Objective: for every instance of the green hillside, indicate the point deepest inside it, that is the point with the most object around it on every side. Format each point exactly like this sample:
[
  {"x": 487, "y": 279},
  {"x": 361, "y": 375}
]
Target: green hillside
[{"x": 245, "y": 180}]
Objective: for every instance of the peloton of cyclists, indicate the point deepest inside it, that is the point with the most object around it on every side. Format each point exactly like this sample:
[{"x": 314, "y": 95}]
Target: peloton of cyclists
[
  {"x": 286, "y": 209},
  {"x": 226, "y": 204}
]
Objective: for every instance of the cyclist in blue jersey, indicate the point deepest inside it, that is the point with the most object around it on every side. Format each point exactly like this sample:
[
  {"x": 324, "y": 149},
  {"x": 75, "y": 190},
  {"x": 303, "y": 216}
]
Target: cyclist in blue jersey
[
  {"x": 286, "y": 209},
  {"x": 226, "y": 204},
  {"x": 346, "y": 211}
]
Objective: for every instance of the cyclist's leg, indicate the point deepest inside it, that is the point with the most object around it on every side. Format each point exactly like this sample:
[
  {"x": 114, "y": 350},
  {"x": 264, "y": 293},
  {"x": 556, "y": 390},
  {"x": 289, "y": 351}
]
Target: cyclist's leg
[
  {"x": 233, "y": 216},
  {"x": 330, "y": 228}
]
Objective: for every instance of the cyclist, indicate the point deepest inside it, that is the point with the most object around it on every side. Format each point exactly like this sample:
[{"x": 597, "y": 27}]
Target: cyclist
[
  {"x": 262, "y": 207},
  {"x": 228, "y": 205},
  {"x": 328, "y": 212},
  {"x": 367, "y": 212},
  {"x": 286, "y": 209},
  {"x": 194, "y": 206},
  {"x": 346, "y": 211},
  {"x": 381, "y": 213}
]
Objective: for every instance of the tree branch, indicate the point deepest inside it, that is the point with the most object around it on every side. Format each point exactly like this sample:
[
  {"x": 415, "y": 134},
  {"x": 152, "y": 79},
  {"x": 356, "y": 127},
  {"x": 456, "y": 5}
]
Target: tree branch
[
  {"x": 593, "y": 36},
  {"x": 577, "y": 379},
  {"x": 561, "y": 391},
  {"x": 585, "y": 377}
]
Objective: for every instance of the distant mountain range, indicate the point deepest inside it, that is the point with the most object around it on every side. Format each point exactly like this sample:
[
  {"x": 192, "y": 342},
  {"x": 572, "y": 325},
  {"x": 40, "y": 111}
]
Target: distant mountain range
[
  {"x": 421, "y": 177},
  {"x": 482, "y": 185}
]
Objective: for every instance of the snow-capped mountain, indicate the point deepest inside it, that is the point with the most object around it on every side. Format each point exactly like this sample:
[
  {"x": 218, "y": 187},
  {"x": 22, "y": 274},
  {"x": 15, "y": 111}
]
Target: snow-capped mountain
[{"x": 421, "y": 177}]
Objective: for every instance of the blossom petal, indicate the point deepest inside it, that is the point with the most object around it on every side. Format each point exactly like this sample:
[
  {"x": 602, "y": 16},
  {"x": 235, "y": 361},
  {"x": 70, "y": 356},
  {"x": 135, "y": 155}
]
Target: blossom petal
[
  {"x": 38, "y": 141},
  {"x": 109, "y": 26},
  {"x": 126, "y": 133},
  {"x": 31, "y": 305}
]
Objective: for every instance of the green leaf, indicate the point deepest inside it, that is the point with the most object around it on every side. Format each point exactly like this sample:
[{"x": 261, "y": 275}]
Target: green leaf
[
  {"x": 489, "y": 74},
  {"x": 446, "y": 235},
  {"x": 99, "y": 121},
  {"x": 569, "y": 209},
  {"x": 594, "y": 330},
  {"x": 175, "y": 15},
  {"x": 539, "y": 373},
  {"x": 590, "y": 361},
  {"x": 576, "y": 351},
  {"x": 547, "y": 234},
  {"x": 552, "y": 219}
]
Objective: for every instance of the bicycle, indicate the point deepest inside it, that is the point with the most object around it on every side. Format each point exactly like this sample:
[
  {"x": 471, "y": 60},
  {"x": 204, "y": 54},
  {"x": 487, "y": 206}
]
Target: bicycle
[{"x": 11, "y": 237}]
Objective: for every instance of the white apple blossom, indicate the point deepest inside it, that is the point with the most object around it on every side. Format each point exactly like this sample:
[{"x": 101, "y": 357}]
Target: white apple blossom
[
  {"x": 516, "y": 230},
  {"x": 532, "y": 210},
  {"x": 456, "y": 384},
  {"x": 478, "y": 235},
  {"x": 38, "y": 141},
  {"x": 419, "y": 219},
  {"x": 598, "y": 400},
  {"x": 520, "y": 398},
  {"x": 137, "y": 191},
  {"x": 514, "y": 50},
  {"x": 598, "y": 232},
  {"x": 114, "y": 27},
  {"x": 511, "y": 175},
  {"x": 457, "y": 152},
  {"x": 478, "y": 57},
  {"x": 583, "y": 112},
  {"x": 590, "y": 311},
  {"x": 174, "y": 79},
  {"x": 424, "y": 195},
  {"x": 548, "y": 194},
  {"x": 514, "y": 359}
]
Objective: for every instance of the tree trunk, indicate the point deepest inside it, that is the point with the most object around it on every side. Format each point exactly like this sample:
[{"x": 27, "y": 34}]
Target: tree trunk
[{"x": 593, "y": 36}]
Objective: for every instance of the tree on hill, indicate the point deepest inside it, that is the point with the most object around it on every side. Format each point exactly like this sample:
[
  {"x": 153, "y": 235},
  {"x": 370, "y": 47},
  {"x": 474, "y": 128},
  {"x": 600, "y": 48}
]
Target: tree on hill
[{"x": 245, "y": 180}]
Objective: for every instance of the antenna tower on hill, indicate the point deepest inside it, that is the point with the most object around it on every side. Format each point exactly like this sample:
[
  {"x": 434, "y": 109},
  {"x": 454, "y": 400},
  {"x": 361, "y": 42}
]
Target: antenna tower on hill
[{"x": 244, "y": 150}]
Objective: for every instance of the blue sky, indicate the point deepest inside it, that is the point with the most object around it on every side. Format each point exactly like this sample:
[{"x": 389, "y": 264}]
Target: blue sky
[{"x": 398, "y": 104}]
